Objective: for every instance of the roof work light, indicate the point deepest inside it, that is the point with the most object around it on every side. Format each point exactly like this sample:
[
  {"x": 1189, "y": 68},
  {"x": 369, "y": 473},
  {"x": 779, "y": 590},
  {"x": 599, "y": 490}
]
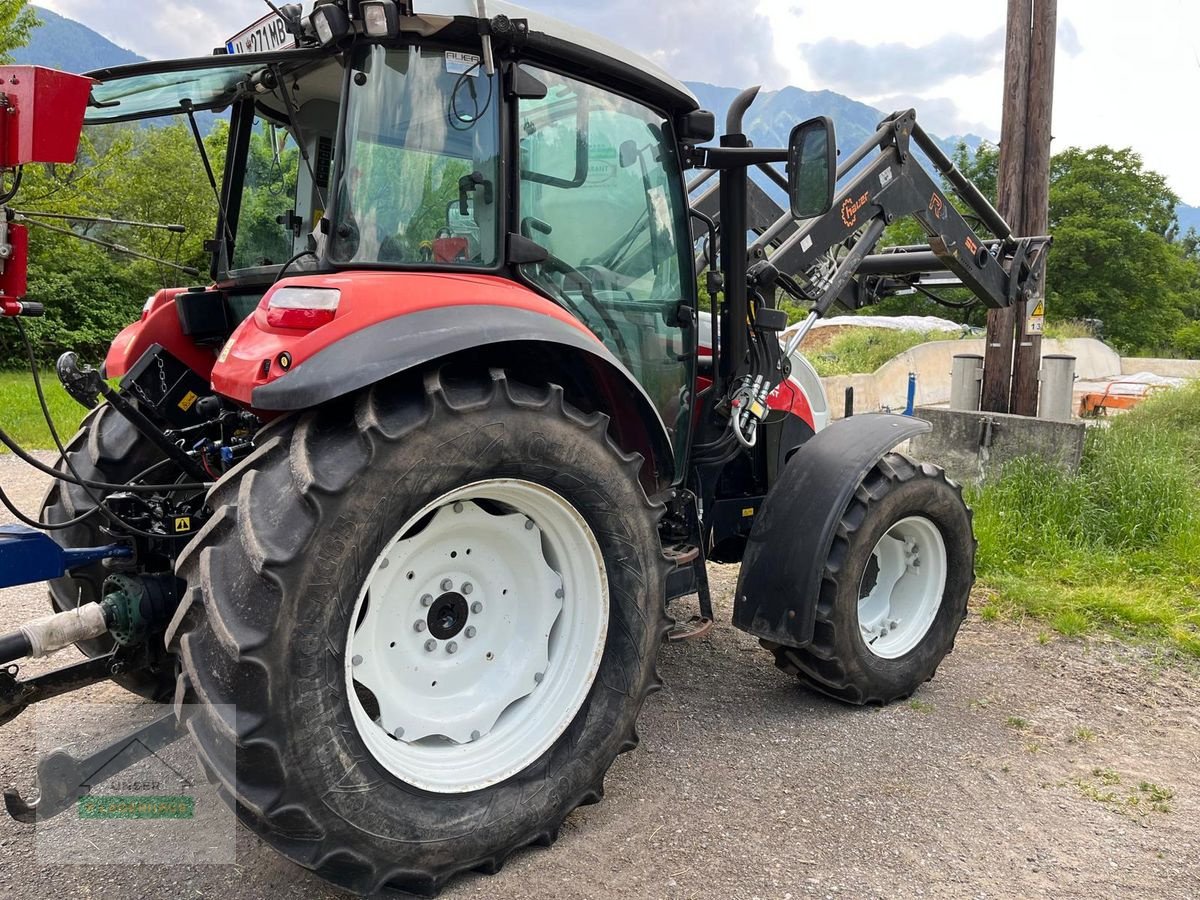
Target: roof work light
[
  {"x": 381, "y": 18},
  {"x": 330, "y": 22}
]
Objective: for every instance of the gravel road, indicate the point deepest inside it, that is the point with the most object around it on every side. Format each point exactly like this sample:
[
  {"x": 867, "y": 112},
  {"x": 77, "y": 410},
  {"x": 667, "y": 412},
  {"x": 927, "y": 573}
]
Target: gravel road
[{"x": 1028, "y": 767}]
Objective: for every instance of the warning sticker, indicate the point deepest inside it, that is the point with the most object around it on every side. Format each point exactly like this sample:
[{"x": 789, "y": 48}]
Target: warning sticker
[
  {"x": 188, "y": 401},
  {"x": 1037, "y": 319}
]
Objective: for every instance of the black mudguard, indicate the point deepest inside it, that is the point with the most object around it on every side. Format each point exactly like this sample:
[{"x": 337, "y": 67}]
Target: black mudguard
[{"x": 785, "y": 554}]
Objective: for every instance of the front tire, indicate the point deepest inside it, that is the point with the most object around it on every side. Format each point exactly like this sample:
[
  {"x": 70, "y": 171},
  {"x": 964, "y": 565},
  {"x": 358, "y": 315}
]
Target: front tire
[
  {"x": 306, "y": 590},
  {"x": 894, "y": 590}
]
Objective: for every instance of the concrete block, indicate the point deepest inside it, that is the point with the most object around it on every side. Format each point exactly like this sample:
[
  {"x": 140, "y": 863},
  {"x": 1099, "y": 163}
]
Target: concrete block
[
  {"x": 1169, "y": 368},
  {"x": 974, "y": 446}
]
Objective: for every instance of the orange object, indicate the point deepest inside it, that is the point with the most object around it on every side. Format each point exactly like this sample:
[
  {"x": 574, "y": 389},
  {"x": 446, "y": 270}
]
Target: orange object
[{"x": 1098, "y": 404}]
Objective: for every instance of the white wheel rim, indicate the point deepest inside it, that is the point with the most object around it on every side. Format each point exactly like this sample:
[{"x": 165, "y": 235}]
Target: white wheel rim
[
  {"x": 901, "y": 591},
  {"x": 484, "y": 624}
]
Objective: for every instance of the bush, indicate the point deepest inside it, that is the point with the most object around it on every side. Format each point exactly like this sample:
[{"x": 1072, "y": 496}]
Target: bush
[{"x": 863, "y": 350}]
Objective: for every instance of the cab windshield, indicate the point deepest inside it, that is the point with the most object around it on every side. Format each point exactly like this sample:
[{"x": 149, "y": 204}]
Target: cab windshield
[{"x": 417, "y": 182}]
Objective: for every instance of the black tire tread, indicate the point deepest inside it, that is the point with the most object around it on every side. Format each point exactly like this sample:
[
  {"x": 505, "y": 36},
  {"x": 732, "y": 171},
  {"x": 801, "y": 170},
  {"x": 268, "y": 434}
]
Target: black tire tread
[
  {"x": 226, "y": 648},
  {"x": 818, "y": 665},
  {"x": 106, "y": 448}
]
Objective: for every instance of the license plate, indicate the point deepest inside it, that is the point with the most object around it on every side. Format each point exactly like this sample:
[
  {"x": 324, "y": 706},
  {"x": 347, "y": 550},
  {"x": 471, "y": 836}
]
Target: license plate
[{"x": 265, "y": 36}]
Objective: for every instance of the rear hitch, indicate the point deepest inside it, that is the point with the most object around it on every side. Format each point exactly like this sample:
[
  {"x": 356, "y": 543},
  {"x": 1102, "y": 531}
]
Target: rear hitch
[{"x": 17, "y": 695}]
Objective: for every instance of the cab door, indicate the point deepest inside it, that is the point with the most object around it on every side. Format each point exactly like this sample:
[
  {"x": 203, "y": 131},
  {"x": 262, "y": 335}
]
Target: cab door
[{"x": 601, "y": 190}]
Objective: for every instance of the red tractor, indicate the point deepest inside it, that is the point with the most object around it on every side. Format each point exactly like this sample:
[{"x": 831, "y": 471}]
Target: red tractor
[{"x": 397, "y": 502}]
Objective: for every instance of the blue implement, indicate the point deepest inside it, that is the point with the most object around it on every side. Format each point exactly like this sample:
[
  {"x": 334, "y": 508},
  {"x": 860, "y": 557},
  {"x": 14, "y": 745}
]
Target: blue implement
[{"x": 28, "y": 556}]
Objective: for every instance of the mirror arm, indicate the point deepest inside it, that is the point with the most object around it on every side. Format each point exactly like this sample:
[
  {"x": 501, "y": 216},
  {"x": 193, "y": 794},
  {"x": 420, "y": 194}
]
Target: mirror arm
[{"x": 740, "y": 157}]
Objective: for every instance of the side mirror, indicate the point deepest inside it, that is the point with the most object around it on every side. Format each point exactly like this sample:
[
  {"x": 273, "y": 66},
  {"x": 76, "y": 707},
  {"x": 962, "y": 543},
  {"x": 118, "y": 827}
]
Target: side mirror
[
  {"x": 812, "y": 167},
  {"x": 697, "y": 127}
]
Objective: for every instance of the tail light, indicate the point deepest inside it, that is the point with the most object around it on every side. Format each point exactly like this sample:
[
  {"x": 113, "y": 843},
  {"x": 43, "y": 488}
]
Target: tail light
[{"x": 304, "y": 308}]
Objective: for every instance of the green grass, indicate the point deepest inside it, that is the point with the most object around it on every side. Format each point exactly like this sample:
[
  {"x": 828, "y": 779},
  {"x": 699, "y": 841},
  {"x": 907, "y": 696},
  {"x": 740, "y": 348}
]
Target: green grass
[
  {"x": 1114, "y": 548},
  {"x": 863, "y": 350},
  {"x": 21, "y": 416},
  {"x": 1066, "y": 329}
]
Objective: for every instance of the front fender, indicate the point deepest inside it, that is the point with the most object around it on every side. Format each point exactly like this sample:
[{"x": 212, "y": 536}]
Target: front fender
[{"x": 785, "y": 554}]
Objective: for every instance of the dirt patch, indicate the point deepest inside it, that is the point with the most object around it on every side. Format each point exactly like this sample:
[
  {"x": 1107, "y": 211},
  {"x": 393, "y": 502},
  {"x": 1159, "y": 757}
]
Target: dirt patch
[{"x": 1010, "y": 774}]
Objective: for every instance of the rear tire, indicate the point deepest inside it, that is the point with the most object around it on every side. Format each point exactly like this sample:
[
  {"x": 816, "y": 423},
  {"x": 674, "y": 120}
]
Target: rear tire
[
  {"x": 302, "y": 528},
  {"x": 106, "y": 448},
  {"x": 898, "y": 503}
]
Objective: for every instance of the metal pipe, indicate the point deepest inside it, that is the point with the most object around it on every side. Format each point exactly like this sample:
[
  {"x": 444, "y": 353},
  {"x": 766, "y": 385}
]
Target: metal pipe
[
  {"x": 871, "y": 143},
  {"x": 800, "y": 333},
  {"x": 964, "y": 187},
  {"x": 53, "y": 633},
  {"x": 901, "y": 263},
  {"x": 704, "y": 176},
  {"x": 737, "y": 109},
  {"x": 14, "y": 646}
]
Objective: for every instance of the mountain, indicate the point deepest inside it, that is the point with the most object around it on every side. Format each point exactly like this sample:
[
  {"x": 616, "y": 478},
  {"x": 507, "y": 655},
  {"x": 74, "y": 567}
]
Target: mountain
[
  {"x": 774, "y": 114},
  {"x": 1189, "y": 217},
  {"x": 65, "y": 44}
]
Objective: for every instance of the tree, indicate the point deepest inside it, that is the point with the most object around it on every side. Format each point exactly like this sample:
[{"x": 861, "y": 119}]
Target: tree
[
  {"x": 1111, "y": 258},
  {"x": 17, "y": 21}
]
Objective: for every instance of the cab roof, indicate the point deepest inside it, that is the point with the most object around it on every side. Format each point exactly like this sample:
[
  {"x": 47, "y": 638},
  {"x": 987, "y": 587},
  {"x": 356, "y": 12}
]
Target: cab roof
[{"x": 155, "y": 88}]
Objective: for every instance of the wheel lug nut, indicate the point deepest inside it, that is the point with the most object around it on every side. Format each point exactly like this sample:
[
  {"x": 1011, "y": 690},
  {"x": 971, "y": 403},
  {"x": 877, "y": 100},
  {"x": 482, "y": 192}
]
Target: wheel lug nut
[
  {"x": 452, "y": 647},
  {"x": 356, "y": 661},
  {"x": 529, "y": 524},
  {"x": 467, "y": 587},
  {"x": 476, "y": 607},
  {"x": 474, "y": 735},
  {"x": 471, "y": 632},
  {"x": 458, "y": 507},
  {"x": 560, "y": 593},
  {"x": 427, "y": 600},
  {"x": 538, "y": 677},
  {"x": 419, "y": 625},
  {"x": 430, "y": 646},
  {"x": 447, "y": 584}
]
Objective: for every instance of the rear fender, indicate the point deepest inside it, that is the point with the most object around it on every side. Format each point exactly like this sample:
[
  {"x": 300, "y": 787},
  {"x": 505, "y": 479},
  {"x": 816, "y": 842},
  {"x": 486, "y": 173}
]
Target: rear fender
[
  {"x": 159, "y": 324},
  {"x": 785, "y": 554},
  {"x": 528, "y": 341}
]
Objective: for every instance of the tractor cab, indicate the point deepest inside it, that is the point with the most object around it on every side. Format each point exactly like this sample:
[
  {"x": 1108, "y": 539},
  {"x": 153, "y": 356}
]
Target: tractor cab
[{"x": 543, "y": 159}]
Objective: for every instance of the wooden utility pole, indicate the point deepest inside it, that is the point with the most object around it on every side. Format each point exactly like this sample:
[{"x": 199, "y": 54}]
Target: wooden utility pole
[
  {"x": 1010, "y": 379},
  {"x": 1035, "y": 206},
  {"x": 1001, "y": 323}
]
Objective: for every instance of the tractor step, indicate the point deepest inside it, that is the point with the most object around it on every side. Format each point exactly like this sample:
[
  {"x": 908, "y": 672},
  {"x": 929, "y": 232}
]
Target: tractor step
[
  {"x": 690, "y": 577},
  {"x": 694, "y": 628}
]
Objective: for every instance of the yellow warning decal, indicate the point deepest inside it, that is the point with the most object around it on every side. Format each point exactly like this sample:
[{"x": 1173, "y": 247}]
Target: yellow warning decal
[
  {"x": 183, "y": 524},
  {"x": 1039, "y": 311},
  {"x": 747, "y": 512},
  {"x": 188, "y": 400}
]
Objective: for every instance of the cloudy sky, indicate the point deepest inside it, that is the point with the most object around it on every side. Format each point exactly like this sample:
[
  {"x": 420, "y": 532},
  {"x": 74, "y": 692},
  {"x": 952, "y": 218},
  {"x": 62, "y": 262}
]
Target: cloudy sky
[{"x": 1128, "y": 74}]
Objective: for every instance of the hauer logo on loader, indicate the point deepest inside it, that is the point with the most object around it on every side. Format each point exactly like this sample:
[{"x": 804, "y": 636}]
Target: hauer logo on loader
[{"x": 440, "y": 502}]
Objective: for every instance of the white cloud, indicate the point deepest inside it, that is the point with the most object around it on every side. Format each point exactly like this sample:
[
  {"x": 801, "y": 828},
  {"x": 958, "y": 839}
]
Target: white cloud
[
  {"x": 157, "y": 31},
  {"x": 1126, "y": 75}
]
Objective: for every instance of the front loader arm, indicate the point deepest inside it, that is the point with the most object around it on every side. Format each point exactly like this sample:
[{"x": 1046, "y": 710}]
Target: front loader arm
[{"x": 998, "y": 271}]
